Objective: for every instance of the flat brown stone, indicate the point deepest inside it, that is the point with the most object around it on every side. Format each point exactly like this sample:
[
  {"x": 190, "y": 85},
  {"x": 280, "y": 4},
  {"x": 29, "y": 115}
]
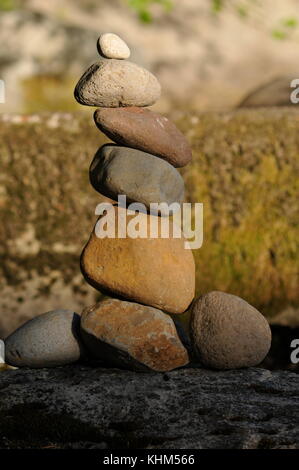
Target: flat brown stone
[
  {"x": 133, "y": 336},
  {"x": 153, "y": 271},
  {"x": 145, "y": 130}
]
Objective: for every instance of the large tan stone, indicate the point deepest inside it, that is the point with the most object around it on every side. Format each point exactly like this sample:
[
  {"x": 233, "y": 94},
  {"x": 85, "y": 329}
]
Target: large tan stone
[
  {"x": 227, "y": 332},
  {"x": 112, "y": 83},
  {"x": 133, "y": 336},
  {"x": 154, "y": 271}
]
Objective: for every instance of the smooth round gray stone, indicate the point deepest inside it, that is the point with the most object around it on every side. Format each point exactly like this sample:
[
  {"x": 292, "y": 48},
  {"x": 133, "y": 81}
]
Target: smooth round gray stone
[
  {"x": 140, "y": 176},
  {"x": 111, "y": 83},
  {"x": 51, "y": 339}
]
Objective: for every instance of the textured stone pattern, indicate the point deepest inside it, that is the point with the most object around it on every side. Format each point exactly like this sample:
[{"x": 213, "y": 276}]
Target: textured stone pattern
[{"x": 80, "y": 407}]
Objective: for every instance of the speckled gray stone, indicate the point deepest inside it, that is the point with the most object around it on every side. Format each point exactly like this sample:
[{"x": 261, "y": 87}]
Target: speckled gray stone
[
  {"x": 51, "y": 339},
  {"x": 111, "y": 83},
  {"x": 140, "y": 176},
  {"x": 227, "y": 332}
]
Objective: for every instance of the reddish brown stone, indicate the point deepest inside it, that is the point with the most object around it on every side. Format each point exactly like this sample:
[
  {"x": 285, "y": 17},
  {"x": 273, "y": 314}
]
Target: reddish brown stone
[
  {"x": 144, "y": 130},
  {"x": 133, "y": 336}
]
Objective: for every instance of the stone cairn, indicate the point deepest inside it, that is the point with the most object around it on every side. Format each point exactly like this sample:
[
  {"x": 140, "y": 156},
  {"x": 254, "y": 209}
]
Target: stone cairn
[{"x": 147, "y": 279}]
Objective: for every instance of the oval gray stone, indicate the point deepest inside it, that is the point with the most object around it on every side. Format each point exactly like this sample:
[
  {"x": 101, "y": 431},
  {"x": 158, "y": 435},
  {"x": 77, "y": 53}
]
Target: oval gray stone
[
  {"x": 140, "y": 176},
  {"x": 112, "y": 83},
  {"x": 51, "y": 339},
  {"x": 227, "y": 332}
]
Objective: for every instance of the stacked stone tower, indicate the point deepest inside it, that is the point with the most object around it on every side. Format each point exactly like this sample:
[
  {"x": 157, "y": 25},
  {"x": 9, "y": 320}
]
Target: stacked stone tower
[{"x": 150, "y": 277}]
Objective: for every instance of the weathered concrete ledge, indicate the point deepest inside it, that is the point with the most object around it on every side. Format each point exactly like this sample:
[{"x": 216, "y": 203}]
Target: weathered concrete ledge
[{"x": 91, "y": 407}]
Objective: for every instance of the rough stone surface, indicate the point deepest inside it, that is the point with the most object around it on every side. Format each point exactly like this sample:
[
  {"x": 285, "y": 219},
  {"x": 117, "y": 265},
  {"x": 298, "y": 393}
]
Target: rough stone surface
[
  {"x": 51, "y": 339},
  {"x": 133, "y": 336},
  {"x": 79, "y": 406},
  {"x": 138, "y": 175},
  {"x": 145, "y": 130},
  {"x": 227, "y": 332},
  {"x": 159, "y": 272},
  {"x": 112, "y": 83},
  {"x": 113, "y": 47}
]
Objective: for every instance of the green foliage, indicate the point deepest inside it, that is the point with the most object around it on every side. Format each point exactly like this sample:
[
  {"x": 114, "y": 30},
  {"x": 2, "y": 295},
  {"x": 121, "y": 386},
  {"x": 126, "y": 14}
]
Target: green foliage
[
  {"x": 290, "y": 22},
  {"x": 7, "y": 5},
  {"x": 242, "y": 11},
  {"x": 278, "y": 34},
  {"x": 143, "y": 8},
  {"x": 245, "y": 8},
  {"x": 244, "y": 170},
  {"x": 217, "y": 5},
  {"x": 286, "y": 27}
]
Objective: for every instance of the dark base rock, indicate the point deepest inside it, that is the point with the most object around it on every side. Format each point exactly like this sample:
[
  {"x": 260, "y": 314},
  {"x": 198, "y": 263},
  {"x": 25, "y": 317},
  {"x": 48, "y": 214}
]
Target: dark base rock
[{"x": 78, "y": 406}]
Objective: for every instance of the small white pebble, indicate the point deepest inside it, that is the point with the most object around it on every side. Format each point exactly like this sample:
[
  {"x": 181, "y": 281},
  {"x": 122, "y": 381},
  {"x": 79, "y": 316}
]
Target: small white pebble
[{"x": 112, "y": 46}]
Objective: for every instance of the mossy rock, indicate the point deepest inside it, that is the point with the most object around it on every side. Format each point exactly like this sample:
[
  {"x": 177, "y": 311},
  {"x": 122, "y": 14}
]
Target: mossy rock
[{"x": 245, "y": 171}]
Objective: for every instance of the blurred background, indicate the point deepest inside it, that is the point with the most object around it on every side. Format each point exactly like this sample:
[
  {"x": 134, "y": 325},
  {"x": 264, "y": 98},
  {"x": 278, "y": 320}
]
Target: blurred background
[
  {"x": 225, "y": 69},
  {"x": 208, "y": 54}
]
